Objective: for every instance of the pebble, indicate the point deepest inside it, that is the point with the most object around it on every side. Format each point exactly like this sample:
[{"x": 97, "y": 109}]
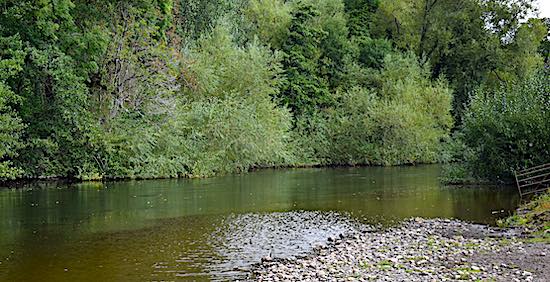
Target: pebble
[{"x": 417, "y": 250}]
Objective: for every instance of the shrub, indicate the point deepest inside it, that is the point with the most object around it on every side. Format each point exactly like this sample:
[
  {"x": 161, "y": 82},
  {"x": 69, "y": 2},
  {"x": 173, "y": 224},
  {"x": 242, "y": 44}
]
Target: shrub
[
  {"x": 226, "y": 121},
  {"x": 507, "y": 129},
  {"x": 404, "y": 122},
  {"x": 231, "y": 134}
]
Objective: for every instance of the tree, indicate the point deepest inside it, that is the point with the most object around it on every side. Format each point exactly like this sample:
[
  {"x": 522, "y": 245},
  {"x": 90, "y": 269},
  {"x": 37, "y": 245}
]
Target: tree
[
  {"x": 371, "y": 51},
  {"x": 269, "y": 21},
  {"x": 51, "y": 83},
  {"x": 360, "y": 16},
  {"x": 471, "y": 42},
  {"x": 544, "y": 49},
  {"x": 304, "y": 89},
  {"x": 401, "y": 121},
  {"x": 86, "y": 63},
  {"x": 11, "y": 61},
  {"x": 194, "y": 18},
  {"x": 507, "y": 129}
]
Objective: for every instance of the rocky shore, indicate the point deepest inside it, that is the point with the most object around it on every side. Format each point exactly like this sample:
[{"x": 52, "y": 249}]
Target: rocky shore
[{"x": 416, "y": 250}]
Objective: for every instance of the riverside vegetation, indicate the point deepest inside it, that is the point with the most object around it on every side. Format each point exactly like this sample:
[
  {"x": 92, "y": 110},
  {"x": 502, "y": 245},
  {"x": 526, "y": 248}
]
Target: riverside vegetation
[
  {"x": 98, "y": 89},
  {"x": 191, "y": 88},
  {"x": 533, "y": 217}
]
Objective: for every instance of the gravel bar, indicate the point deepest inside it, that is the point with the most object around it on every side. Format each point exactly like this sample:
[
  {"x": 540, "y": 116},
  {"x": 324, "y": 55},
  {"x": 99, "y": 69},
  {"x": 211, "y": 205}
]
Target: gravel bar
[{"x": 416, "y": 250}]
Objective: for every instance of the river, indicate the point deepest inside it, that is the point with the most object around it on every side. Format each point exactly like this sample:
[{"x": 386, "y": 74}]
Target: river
[{"x": 214, "y": 229}]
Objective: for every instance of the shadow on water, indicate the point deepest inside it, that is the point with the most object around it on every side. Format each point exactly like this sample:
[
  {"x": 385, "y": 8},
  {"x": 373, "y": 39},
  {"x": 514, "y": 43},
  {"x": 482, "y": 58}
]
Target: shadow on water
[{"x": 213, "y": 228}]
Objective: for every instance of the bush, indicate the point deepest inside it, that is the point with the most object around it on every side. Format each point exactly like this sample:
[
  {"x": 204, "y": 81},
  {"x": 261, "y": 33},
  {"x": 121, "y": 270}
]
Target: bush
[
  {"x": 231, "y": 134},
  {"x": 404, "y": 122},
  {"x": 222, "y": 120},
  {"x": 231, "y": 122},
  {"x": 507, "y": 129},
  {"x": 226, "y": 121}
]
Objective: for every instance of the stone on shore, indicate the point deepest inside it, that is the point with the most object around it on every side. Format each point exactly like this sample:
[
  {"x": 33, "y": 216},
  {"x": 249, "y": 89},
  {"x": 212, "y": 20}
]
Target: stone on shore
[{"x": 417, "y": 250}]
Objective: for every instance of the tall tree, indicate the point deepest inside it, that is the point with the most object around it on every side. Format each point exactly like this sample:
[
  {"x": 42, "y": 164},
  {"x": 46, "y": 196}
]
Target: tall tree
[
  {"x": 360, "y": 16},
  {"x": 544, "y": 49},
  {"x": 304, "y": 89},
  {"x": 11, "y": 61},
  {"x": 470, "y": 42},
  {"x": 269, "y": 20}
]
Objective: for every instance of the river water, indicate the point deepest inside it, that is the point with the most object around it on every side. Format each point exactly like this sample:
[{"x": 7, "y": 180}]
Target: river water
[{"x": 214, "y": 229}]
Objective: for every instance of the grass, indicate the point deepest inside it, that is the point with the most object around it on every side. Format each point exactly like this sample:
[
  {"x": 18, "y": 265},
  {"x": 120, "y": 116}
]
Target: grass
[
  {"x": 534, "y": 217},
  {"x": 385, "y": 264}
]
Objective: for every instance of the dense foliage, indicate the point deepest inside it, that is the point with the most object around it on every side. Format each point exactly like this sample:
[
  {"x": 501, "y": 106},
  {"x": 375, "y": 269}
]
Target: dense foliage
[
  {"x": 402, "y": 121},
  {"x": 169, "y": 88},
  {"x": 507, "y": 129},
  {"x": 11, "y": 59},
  {"x": 471, "y": 42}
]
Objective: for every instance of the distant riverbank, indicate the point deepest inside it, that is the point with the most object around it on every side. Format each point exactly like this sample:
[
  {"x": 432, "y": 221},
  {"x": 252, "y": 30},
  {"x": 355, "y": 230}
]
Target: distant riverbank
[{"x": 45, "y": 180}]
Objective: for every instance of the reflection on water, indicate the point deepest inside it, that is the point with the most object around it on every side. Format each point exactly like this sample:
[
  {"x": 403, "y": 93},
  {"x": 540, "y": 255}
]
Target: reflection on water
[{"x": 172, "y": 229}]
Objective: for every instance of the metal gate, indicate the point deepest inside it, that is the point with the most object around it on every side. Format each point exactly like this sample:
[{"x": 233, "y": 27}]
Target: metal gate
[{"x": 533, "y": 180}]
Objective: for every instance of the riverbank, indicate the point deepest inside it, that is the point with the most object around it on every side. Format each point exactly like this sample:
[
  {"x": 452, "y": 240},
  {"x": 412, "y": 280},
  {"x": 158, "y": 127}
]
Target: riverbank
[
  {"x": 532, "y": 217},
  {"x": 25, "y": 182},
  {"x": 418, "y": 250}
]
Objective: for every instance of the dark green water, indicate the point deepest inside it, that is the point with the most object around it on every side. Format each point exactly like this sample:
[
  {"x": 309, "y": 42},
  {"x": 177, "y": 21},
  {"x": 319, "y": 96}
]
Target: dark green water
[{"x": 210, "y": 228}]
